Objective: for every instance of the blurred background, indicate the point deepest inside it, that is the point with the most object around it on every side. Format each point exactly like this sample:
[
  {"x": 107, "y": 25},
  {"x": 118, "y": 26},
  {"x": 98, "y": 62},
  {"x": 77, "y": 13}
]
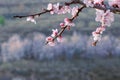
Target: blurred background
[{"x": 24, "y": 55}]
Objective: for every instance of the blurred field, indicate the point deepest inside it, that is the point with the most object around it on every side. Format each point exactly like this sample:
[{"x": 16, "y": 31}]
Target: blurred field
[
  {"x": 31, "y": 59},
  {"x": 82, "y": 69}
]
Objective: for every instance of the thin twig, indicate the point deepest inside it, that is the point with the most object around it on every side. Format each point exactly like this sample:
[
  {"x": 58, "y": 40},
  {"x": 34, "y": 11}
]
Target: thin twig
[
  {"x": 33, "y": 15},
  {"x": 63, "y": 29},
  {"x": 112, "y": 9}
]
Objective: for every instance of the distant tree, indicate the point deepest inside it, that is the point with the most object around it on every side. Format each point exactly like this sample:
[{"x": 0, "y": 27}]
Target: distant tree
[{"x": 105, "y": 10}]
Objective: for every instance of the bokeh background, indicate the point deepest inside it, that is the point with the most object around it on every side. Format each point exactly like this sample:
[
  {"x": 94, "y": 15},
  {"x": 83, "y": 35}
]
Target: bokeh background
[{"x": 24, "y": 55}]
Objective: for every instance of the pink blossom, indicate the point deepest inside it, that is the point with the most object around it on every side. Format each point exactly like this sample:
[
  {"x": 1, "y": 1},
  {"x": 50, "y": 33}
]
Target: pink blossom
[
  {"x": 89, "y": 3},
  {"x": 68, "y": 22},
  {"x": 64, "y": 10},
  {"x": 98, "y": 1},
  {"x": 97, "y": 34},
  {"x": 54, "y": 33},
  {"x": 56, "y": 8},
  {"x": 106, "y": 18},
  {"x": 53, "y": 7},
  {"x": 114, "y": 2},
  {"x": 94, "y": 33},
  {"x": 100, "y": 30},
  {"x": 74, "y": 11},
  {"x": 31, "y": 19},
  {"x": 97, "y": 38},
  {"x": 59, "y": 38},
  {"x": 67, "y": 9},
  {"x": 68, "y": 27},
  {"x": 51, "y": 43},
  {"x": 99, "y": 14},
  {"x": 62, "y": 25},
  {"x": 49, "y": 39}
]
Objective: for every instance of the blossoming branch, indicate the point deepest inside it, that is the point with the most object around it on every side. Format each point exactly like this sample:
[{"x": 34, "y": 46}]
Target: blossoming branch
[{"x": 104, "y": 14}]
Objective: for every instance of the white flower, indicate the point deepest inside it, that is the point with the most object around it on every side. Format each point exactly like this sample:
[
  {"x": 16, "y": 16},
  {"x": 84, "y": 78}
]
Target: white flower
[
  {"x": 99, "y": 14},
  {"x": 54, "y": 33},
  {"x": 64, "y": 10},
  {"x": 114, "y": 2},
  {"x": 56, "y": 7},
  {"x": 50, "y": 6},
  {"x": 98, "y": 1},
  {"x": 68, "y": 22},
  {"x": 97, "y": 38},
  {"x": 89, "y": 3},
  {"x": 59, "y": 39},
  {"x": 97, "y": 34},
  {"x": 31, "y": 19},
  {"x": 106, "y": 18},
  {"x": 53, "y": 7},
  {"x": 51, "y": 43},
  {"x": 74, "y": 11}
]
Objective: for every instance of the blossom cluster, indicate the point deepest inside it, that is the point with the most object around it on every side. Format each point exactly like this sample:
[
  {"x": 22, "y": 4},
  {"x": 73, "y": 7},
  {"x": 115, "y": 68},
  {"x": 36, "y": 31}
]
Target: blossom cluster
[
  {"x": 91, "y": 3},
  {"x": 97, "y": 34},
  {"x": 104, "y": 15},
  {"x": 106, "y": 18},
  {"x": 31, "y": 19},
  {"x": 55, "y": 33},
  {"x": 56, "y": 8},
  {"x": 50, "y": 39},
  {"x": 68, "y": 23},
  {"x": 114, "y": 3}
]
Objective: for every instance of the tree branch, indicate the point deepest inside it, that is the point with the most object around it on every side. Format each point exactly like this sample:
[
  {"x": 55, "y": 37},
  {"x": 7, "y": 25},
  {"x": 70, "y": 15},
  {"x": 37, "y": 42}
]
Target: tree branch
[
  {"x": 63, "y": 29},
  {"x": 33, "y": 15},
  {"x": 112, "y": 9}
]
